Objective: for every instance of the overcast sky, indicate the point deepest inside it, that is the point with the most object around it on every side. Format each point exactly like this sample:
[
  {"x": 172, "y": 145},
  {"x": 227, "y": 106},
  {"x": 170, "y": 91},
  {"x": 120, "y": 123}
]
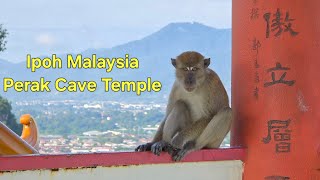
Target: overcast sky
[{"x": 42, "y": 27}]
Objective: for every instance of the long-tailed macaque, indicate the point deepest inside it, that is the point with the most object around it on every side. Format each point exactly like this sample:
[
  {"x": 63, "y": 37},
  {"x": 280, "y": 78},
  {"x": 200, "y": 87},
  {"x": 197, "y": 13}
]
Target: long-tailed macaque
[{"x": 198, "y": 113}]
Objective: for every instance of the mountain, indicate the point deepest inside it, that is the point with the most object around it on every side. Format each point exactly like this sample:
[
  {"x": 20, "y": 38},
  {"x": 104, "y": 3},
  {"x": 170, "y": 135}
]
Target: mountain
[{"x": 154, "y": 53}]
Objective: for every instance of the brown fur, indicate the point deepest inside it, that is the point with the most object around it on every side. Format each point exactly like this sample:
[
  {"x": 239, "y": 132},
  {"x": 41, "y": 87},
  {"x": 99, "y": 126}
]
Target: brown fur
[{"x": 198, "y": 117}]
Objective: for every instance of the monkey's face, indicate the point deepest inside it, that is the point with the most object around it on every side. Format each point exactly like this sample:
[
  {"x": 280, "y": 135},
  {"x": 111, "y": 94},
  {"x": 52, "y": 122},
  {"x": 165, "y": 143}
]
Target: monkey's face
[
  {"x": 190, "y": 76},
  {"x": 190, "y": 70}
]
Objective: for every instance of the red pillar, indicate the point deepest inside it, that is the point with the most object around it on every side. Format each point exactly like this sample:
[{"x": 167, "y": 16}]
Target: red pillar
[{"x": 276, "y": 89}]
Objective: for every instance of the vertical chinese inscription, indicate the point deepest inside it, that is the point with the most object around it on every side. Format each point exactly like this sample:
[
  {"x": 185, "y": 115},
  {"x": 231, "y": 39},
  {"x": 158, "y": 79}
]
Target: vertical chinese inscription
[
  {"x": 278, "y": 23},
  {"x": 256, "y": 45}
]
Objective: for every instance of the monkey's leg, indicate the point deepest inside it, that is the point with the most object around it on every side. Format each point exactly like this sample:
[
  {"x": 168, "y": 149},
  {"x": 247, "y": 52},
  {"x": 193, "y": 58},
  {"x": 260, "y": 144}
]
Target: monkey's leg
[
  {"x": 190, "y": 132},
  {"x": 215, "y": 132},
  {"x": 185, "y": 139},
  {"x": 156, "y": 138},
  {"x": 212, "y": 135},
  {"x": 176, "y": 120}
]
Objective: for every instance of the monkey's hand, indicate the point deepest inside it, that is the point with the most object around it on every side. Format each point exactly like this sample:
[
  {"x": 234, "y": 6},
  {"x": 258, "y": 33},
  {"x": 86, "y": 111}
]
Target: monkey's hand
[
  {"x": 160, "y": 146},
  {"x": 144, "y": 147},
  {"x": 179, "y": 154}
]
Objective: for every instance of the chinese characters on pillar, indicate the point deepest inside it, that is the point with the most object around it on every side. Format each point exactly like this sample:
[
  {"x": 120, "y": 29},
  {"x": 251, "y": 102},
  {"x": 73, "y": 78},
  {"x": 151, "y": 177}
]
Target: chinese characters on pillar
[
  {"x": 256, "y": 45},
  {"x": 277, "y": 24},
  {"x": 279, "y": 128},
  {"x": 279, "y": 80},
  {"x": 279, "y": 132}
]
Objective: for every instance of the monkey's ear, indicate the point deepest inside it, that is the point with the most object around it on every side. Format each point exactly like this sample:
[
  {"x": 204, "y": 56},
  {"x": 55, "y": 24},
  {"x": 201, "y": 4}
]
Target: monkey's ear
[
  {"x": 173, "y": 62},
  {"x": 206, "y": 62}
]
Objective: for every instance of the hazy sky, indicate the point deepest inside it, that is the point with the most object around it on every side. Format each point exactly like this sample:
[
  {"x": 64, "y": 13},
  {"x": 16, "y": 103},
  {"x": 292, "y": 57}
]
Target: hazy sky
[{"x": 42, "y": 27}]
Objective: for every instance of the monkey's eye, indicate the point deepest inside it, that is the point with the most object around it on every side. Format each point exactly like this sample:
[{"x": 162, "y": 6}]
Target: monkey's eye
[
  {"x": 194, "y": 68},
  {"x": 186, "y": 69}
]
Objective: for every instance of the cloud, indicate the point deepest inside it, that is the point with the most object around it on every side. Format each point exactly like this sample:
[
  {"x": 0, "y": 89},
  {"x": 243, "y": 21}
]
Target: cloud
[{"x": 45, "y": 39}]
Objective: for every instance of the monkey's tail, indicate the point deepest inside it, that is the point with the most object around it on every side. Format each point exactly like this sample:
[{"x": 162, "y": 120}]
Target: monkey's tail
[{"x": 216, "y": 130}]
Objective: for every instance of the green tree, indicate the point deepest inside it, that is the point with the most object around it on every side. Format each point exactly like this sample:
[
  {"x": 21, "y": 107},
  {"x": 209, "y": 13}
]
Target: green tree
[
  {"x": 7, "y": 117},
  {"x": 3, "y": 35}
]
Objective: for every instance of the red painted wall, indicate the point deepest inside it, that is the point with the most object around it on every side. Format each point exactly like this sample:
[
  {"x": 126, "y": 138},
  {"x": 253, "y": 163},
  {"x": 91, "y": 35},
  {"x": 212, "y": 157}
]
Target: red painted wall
[{"x": 30, "y": 162}]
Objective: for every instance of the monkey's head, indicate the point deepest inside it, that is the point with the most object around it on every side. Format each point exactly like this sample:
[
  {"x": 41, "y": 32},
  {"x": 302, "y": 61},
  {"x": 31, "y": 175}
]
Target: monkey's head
[{"x": 190, "y": 69}]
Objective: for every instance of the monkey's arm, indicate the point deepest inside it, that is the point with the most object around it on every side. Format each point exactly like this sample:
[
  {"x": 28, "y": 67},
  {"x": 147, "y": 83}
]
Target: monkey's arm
[
  {"x": 156, "y": 138},
  {"x": 176, "y": 120},
  {"x": 159, "y": 134}
]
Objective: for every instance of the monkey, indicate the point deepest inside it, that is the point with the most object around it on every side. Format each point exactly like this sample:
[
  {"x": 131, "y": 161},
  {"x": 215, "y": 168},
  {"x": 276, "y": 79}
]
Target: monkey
[{"x": 198, "y": 115}]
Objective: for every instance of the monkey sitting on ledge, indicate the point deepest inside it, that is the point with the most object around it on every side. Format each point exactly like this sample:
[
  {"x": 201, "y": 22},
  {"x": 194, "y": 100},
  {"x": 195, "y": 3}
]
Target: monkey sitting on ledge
[{"x": 198, "y": 113}]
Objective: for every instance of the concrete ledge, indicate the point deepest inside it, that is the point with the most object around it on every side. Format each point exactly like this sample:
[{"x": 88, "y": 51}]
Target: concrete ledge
[{"x": 207, "y": 170}]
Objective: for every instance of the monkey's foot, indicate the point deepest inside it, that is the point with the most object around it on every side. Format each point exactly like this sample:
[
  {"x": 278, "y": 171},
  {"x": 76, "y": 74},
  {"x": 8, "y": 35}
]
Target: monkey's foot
[
  {"x": 158, "y": 147},
  {"x": 144, "y": 147},
  {"x": 179, "y": 154},
  {"x": 170, "y": 149}
]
